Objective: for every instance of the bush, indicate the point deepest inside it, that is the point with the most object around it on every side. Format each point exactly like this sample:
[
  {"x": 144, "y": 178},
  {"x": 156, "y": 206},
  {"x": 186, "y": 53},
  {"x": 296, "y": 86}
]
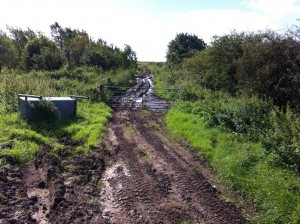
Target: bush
[
  {"x": 241, "y": 115},
  {"x": 282, "y": 141},
  {"x": 45, "y": 111}
]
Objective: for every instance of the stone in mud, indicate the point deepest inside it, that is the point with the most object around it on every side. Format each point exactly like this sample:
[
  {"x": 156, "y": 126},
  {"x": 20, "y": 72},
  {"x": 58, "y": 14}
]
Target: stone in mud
[
  {"x": 42, "y": 185},
  {"x": 57, "y": 202},
  {"x": 33, "y": 199}
]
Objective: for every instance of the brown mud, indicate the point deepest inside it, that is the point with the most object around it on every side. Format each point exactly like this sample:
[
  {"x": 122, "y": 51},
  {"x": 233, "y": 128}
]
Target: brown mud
[
  {"x": 153, "y": 179},
  {"x": 138, "y": 175}
]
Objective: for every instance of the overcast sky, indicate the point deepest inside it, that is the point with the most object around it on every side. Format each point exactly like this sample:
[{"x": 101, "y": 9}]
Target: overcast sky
[{"x": 149, "y": 25}]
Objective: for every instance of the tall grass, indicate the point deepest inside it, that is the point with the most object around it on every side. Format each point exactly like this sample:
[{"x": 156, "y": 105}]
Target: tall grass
[
  {"x": 29, "y": 136},
  {"x": 242, "y": 166},
  {"x": 80, "y": 81}
]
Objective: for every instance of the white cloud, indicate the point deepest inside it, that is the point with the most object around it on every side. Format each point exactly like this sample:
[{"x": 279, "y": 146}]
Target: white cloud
[
  {"x": 207, "y": 23},
  {"x": 276, "y": 8}
]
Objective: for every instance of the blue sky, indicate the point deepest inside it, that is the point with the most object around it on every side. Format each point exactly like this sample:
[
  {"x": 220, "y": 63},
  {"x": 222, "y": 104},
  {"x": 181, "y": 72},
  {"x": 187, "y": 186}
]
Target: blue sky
[{"x": 149, "y": 25}]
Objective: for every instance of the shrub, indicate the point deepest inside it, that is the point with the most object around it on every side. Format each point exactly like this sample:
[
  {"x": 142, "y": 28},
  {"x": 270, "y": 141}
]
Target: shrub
[
  {"x": 45, "y": 111},
  {"x": 241, "y": 115},
  {"x": 282, "y": 141}
]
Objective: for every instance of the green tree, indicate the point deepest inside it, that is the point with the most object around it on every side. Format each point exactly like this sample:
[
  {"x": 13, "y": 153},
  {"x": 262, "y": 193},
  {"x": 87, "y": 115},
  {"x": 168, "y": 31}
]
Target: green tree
[
  {"x": 41, "y": 54},
  {"x": 129, "y": 58},
  {"x": 270, "y": 67},
  {"x": 58, "y": 34},
  {"x": 64, "y": 38},
  {"x": 20, "y": 38},
  {"x": 8, "y": 52},
  {"x": 77, "y": 49},
  {"x": 184, "y": 46},
  {"x": 223, "y": 56},
  {"x": 101, "y": 55}
]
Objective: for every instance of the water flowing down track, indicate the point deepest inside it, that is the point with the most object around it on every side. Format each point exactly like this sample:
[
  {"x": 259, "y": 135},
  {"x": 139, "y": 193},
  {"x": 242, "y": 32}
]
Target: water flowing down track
[{"x": 139, "y": 96}]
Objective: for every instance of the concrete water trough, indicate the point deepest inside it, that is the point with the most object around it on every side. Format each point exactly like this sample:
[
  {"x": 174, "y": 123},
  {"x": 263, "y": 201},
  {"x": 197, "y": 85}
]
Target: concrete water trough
[{"x": 67, "y": 106}]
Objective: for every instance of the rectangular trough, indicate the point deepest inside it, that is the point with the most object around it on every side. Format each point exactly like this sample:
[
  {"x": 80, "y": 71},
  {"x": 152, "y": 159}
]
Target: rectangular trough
[{"x": 67, "y": 106}]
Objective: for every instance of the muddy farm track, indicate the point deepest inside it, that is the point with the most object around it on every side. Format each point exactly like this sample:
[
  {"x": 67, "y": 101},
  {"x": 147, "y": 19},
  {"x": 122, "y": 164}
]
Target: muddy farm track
[
  {"x": 153, "y": 179},
  {"x": 138, "y": 175},
  {"x": 146, "y": 177}
]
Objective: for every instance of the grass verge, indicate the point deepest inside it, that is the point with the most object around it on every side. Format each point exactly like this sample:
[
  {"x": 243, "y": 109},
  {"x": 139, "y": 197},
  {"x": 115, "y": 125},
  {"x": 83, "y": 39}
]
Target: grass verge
[
  {"x": 25, "y": 137},
  {"x": 242, "y": 166}
]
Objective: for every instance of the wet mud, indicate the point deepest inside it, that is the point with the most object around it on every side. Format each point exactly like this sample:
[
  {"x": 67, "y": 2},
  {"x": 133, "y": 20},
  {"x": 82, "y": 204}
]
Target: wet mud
[
  {"x": 138, "y": 175},
  {"x": 153, "y": 179},
  {"x": 140, "y": 96}
]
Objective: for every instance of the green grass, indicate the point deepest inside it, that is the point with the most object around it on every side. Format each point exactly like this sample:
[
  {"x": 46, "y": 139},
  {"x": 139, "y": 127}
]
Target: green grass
[
  {"x": 243, "y": 167},
  {"x": 86, "y": 128},
  {"x": 90, "y": 127},
  {"x": 253, "y": 145},
  {"x": 28, "y": 136}
]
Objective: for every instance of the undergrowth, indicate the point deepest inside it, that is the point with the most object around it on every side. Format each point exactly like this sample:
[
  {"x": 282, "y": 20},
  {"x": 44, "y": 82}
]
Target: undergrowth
[{"x": 241, "y": 161}]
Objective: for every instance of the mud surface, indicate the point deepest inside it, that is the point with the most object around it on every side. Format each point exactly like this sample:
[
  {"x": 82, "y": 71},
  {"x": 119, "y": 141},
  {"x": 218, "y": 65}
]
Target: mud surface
[
  {"x": 52, "y": 190},
  {"x": 14, "y": 202},
  {"x": 138, "y": 175},
  {"x": 152, "y": 179}
]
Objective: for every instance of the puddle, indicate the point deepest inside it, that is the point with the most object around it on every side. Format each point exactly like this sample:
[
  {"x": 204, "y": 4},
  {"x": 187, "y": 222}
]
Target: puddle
[{"x": 140, "y": 96}]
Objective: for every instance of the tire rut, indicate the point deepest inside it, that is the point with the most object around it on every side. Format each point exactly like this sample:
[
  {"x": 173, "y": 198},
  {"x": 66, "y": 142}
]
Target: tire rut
[
  {"x": 138, "y": 175},
  {"x": 164, "y": 183}
]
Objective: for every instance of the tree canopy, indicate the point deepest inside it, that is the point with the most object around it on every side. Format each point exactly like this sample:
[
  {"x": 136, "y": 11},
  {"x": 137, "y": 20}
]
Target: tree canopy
[
  {"x": 184, "y": 46},
  {"x": 264, "y": 64},
  {"x": 26, "y": 49},
  {"x": 8, "y": 52}
]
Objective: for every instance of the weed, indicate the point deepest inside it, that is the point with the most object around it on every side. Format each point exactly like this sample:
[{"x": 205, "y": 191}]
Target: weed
[{"x": 45, "y": 111}]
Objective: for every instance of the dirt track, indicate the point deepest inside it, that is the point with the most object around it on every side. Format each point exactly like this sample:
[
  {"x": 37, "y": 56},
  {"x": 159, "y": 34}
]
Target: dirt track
[
  {"x": 152, "y": 179},
  {"x": 139, "y": 175}
]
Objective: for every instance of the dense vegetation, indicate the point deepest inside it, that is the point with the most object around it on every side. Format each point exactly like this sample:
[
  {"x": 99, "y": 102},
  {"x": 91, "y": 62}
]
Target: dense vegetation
[
  {"x": 238, "y": 103},
  {"x": 70, "y": 63},
  {"x": 26, "y": 49}
]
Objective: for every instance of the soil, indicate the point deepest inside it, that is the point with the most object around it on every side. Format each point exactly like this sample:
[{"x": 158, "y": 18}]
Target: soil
[{"x": 139, "y": 175}]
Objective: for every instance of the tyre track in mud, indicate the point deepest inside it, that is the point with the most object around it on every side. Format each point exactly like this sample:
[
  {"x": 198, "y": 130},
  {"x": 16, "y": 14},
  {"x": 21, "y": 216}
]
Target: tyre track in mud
[
  {"x": 153, "y": 179},
  {"x": 138, "y": 175}
]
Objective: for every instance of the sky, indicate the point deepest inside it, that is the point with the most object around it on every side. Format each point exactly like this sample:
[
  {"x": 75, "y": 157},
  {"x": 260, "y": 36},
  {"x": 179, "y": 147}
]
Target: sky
[{"x": 149, "y": 25}]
